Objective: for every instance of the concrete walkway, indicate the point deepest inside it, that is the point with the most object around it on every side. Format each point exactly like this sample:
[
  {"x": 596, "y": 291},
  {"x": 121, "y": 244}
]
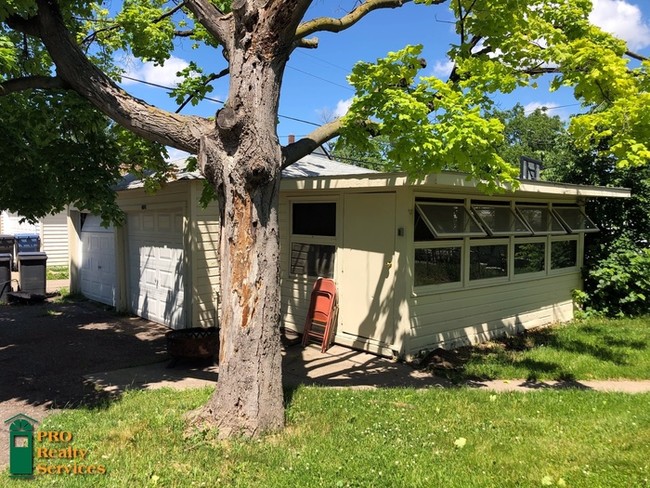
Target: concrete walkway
[{"x": 339, "y": 367}]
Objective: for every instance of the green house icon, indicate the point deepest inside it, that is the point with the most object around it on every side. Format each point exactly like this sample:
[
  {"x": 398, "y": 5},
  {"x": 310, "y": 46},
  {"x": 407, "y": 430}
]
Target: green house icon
[{"x": 21, "y": 449}]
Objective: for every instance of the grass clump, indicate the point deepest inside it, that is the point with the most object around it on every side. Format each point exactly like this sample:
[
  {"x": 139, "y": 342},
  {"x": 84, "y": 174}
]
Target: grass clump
[{"x": 360, "y": 438}]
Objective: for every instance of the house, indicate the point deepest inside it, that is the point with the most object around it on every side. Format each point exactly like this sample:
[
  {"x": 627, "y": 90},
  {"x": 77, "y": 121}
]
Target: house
[
  {"x": 52, "y": 230},
  {"x": 418, "y": 264}
]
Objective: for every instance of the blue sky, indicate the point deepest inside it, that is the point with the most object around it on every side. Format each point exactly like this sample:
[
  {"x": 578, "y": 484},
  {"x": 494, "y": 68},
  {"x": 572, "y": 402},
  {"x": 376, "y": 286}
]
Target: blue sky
[{"x": 315, "y": 87}]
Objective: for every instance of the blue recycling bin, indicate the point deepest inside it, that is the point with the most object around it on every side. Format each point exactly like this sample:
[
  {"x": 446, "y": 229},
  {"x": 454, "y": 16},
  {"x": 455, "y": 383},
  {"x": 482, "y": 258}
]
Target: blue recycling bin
[{"x": 27, "y": 243}]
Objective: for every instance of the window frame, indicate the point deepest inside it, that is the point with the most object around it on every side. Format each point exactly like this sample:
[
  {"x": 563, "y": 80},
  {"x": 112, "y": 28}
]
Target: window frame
[
  {"x": 437, "y": 287},
  {"x": 313, "y": 239},
  {"x": 533, "y": 274},
  {"x": 569, "y": 269},
  {"x": 484, "y": 243}
]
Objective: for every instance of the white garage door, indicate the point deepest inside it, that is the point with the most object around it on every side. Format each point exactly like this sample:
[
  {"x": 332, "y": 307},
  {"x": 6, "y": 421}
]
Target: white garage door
[
  {"x": 156, "y": 269},
  {"x": 98, "y": 261}
]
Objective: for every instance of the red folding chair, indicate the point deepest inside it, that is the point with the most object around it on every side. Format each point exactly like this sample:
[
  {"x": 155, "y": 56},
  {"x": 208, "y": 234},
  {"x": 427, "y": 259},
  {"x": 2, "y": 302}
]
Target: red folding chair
[{"x": 321, "y": 317}]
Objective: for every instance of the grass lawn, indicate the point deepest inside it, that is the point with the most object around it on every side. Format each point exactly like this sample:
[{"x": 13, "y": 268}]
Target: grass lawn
[
  {"x": 57, "y": 272},
  {"x": 360, "y": 438},
  {"x": 582, "y": 350}
]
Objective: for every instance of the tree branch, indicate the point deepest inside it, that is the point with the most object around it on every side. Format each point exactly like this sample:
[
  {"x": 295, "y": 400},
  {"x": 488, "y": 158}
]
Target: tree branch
[
  {"x": 299, "y": 149},
  {"x": 31, "y": 83},
  {"x": 218, "y": 24},
  {"x": 74, "y": 68},
  {"x": 209, "y": 79},
  {"x": 638, "y": 57},
  {"x": 331, "y": 24}
]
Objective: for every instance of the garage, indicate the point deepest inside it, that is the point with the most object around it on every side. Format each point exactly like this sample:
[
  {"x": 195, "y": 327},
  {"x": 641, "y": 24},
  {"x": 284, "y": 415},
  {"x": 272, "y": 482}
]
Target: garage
[
  {"x": 97, "y": 272},
  {"x": 156, "y": 266}
]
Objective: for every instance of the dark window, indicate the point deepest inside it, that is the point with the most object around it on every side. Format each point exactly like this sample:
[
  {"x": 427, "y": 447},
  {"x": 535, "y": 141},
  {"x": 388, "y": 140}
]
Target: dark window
[
  {"x": 316, "y": 260},
  {"x": 564, "y": 254},
  {"x": 437, "y": 265},
  {"x": 530, "y": 257},
  {"x": 488, "y": 262},
  {"x": 314, "y": 219}
]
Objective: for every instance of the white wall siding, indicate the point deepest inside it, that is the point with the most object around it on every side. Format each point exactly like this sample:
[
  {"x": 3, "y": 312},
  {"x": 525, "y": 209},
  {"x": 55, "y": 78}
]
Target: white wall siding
[
  {"x": 478, "y": 314},
  {"x": 204, "y": 245},
  {"x": 54, "y": 239}
]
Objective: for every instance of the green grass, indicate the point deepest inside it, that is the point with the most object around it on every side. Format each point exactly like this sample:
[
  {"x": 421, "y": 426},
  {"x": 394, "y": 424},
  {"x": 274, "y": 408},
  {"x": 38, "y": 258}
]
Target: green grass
[
  {"x": 57, "y": 273},
  {"x": 582, "y": 350},
  {"x": 361, "y": 438}
]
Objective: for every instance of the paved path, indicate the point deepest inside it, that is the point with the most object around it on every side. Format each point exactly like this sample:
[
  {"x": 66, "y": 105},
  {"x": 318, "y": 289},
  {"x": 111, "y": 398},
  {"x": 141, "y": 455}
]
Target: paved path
[{"x": 339, "y": 367}]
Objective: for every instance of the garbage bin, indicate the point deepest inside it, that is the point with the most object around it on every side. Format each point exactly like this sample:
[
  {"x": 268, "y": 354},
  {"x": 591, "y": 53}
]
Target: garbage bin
[
  {"x": 32, "y": 272},
  {"x": 5, "y": 276},
  {"x": 7, "y": 247}
]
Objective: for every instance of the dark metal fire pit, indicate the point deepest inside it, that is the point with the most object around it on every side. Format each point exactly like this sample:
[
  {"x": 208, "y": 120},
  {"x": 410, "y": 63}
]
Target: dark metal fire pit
[{"x": 193, "y": 343}]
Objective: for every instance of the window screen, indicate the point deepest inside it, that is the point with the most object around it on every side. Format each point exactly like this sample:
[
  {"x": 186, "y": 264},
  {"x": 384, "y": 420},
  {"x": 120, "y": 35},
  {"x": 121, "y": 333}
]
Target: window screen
[
  {"x": 575, "y": 220},
  {"x": 541, "y": 220},
  {"x": 500, "y": 220},
  {"x": 449, "y": 220},
  {"x": 314, "y": 219}
]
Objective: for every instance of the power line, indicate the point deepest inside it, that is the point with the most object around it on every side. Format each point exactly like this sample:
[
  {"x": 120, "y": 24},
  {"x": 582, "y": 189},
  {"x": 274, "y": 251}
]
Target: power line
[
  {"x": 321, "y": 78},
  {"x": 216, "y": 100}
]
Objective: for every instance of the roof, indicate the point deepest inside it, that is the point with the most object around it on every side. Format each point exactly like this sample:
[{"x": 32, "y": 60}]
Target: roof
[
  {"x": 315, "y": 165},
  {"x": 317, "y": 171}
]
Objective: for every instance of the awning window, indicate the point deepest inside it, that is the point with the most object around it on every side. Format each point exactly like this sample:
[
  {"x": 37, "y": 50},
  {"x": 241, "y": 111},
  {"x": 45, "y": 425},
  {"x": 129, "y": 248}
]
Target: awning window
[
  {"x": 500, "y": 220},
  {"x": 449, "y": 220},
  {"x": 575, "y": 219},
  {"x": 541, "y": 220}
]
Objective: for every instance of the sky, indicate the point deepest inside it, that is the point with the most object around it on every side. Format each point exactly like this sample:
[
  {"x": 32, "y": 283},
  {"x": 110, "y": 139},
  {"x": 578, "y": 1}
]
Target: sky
[{"x": 315, "y": 88}]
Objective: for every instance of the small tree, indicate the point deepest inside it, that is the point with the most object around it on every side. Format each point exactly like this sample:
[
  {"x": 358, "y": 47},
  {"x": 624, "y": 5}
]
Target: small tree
[{"x": 429, "y": 123}]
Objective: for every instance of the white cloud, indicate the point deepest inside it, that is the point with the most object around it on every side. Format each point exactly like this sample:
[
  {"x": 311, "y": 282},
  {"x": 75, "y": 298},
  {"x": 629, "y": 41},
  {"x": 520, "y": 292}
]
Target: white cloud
[
  {"x": 342, "y": 107},
  {"x": 545, "y": 107},
  {"x": 622, "y": 19},
  {"x": 442, "y": 69},
  {"x": 161, "y": 75}
]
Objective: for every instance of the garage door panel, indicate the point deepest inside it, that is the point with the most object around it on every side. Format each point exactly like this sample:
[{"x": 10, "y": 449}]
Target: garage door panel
[
  {"x": 156, "y": 266},
  {"x": 97, "y": 273}
]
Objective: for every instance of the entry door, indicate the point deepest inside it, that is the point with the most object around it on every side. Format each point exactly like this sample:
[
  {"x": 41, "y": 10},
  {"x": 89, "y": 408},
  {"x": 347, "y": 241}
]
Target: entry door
[
  {"x": 98, "y": 279},
  {"x": 367, "y": 280}
]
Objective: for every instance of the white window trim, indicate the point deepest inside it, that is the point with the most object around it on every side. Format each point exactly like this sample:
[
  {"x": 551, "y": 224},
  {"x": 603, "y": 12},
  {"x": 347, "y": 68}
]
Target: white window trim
[
  {"x": 436, "y": 234},
  {"x": 492, "y": 232},
  {"x": 534, "y": 274},
  {"x": 557, "y": 211},
  {"x": 552, "y": 215},
  {"x": 487, "y": 281}
]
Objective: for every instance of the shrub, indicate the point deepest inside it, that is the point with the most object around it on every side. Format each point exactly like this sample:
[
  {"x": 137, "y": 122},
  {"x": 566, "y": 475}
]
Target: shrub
[{"x": 619, "y": 284}]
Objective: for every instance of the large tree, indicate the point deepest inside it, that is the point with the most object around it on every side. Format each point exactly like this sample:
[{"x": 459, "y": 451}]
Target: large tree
[{"x": 67, "y": 45}]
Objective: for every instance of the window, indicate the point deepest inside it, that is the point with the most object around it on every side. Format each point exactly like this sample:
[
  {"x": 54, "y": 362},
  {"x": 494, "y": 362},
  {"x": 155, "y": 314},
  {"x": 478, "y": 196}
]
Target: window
[
  {"x": 314, "y": 219},
  {"x": 541, "y": 220},
  {"x": 530, "y": 257},
  {"x": 313, "y": 239},
  {"x": 488, "y": 261},
  {"x": 575, "y": 220},
  {"x": 439, "y": 265},
  {"x": 446, "y": 220},
  {"x": 564, "y": 254},
  {"x": 500, "y": 220},
  {"x": 315, "y": 260}
]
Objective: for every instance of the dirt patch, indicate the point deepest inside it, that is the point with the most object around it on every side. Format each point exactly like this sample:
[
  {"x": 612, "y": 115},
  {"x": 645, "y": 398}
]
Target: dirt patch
[{"x": 47, "y": 348}]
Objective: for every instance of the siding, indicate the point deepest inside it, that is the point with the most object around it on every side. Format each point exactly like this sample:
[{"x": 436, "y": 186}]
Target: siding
[
  {"x": 479, "y": 314},
  {"x": 204, "y": 245},
  {"x": 54, "y": 239}
]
